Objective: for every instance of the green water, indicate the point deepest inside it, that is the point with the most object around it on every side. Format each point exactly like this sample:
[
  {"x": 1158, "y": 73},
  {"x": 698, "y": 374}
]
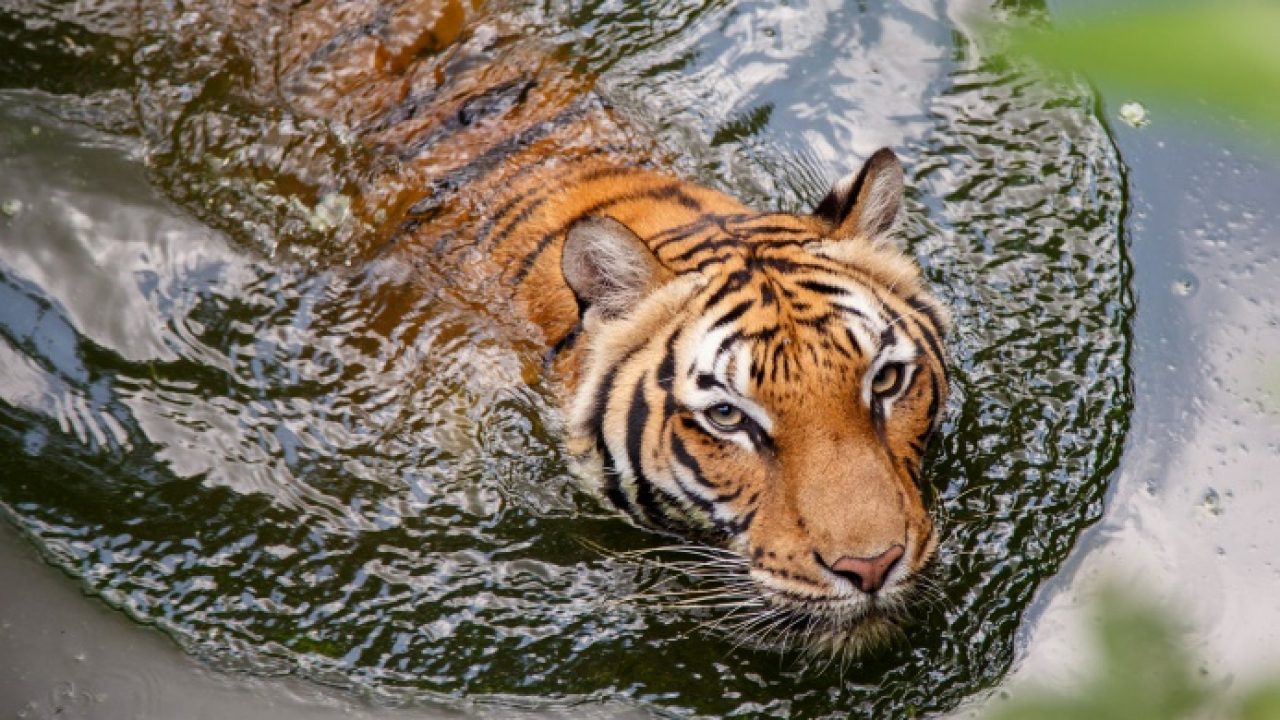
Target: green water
[{"x": 293, "y": 458}]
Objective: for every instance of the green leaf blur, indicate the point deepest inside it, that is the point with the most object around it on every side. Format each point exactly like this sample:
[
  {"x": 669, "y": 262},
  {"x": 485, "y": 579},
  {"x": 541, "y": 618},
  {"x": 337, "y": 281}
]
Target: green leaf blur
[
  {"x": 1225, "y": 54},
  {"x": 1142, "y": 670}
]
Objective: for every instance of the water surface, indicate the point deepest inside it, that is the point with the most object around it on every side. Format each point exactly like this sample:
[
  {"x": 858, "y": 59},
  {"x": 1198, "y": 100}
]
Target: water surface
[{"x": 294, "y": 458}]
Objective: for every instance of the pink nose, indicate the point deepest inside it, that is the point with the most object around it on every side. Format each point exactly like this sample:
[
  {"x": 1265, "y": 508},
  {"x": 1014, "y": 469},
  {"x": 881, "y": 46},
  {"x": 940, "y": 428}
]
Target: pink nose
[{"x": 868, "y": 574}]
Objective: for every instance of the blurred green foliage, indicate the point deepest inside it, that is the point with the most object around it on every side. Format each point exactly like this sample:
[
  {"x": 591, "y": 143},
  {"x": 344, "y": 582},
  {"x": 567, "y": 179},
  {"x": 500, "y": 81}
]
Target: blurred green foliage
[
  {"x": 1225, "y": 53},
  {"x": 1220, "y": 57},
  {"x": 1143, "y": 671}
]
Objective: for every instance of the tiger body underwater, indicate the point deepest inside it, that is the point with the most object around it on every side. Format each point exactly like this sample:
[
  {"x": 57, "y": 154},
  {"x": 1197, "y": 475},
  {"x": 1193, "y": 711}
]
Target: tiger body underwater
[{"x": 760, "y": 384}]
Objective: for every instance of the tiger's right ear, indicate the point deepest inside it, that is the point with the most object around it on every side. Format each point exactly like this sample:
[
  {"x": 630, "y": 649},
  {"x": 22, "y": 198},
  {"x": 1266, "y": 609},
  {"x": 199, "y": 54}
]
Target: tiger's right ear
[
  {"x": 865, "y": 205},
  {"x": 608, "y": 267}
]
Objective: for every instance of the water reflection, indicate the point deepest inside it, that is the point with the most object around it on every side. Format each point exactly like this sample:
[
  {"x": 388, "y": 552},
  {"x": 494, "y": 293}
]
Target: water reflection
[{"x": 296, "y": 453}]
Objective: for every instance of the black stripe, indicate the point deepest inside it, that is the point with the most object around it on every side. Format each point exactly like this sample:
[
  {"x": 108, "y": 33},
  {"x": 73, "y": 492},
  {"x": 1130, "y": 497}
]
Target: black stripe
[
  {"x": 927, "y": 310},
  {"x": 759, "y": 438},
  {"x": 935, "y": 347},
  {"x": 691, "y": 424},
  {"x": 707, "y": 507},
  {"x": 915, "y": 376},
  {"x": 509, "y": 205},
  {"x": 527, "y": 212},
  {"x": 690, "y": 463},
  {"x": 541, "y": 195},
  {"x": 734, "y": 281},
  {"x": 822, "y": 288},
  {"x": 493, "y": 101},
  {"x": 402, "y": 111},
  {"x": 931, "y": 340},
  {"x": 667, "y": 368},
  {"x": 734, "y": 313},
  {"x": 566, "y": 342},
  {"x": 680, "y": 232},
  {"x": 834, "y": 345},
  {"x": 763, "y": 334},
  {"x": 849, "y": 310},
  {"x": 767, "y": 298},
  {"x": 683, "y": 232},
  {"x": 775, "y": 230},
  {"x": 817, "y": 322},
  {"x": 936, "y": 396},
  {"x": 741, "y": 526},
  {"x": 637, "y": 417},
  {"x": 646, "y": 493},
  {"x": 776, "y": 361},
  {"x": 728, "y": 342},
  {"x": 381, "y": 17},
  {"x": 914, "y": 472},
  {"x": 670, "y": 191},
  {"x": 708, "y": 245},
  {"x": 612, "y": 481},
  {"x": 889, "y": 336},
  {"x": 786, "y": 265},
  {"x": 704, "y": 264}
]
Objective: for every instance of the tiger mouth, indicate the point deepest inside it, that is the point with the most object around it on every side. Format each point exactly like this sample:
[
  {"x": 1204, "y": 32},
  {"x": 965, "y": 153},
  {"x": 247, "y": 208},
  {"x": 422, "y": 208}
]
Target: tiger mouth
[
  {"x": 822, "y": 625},
  {"x": 817, "y": 634},
  {"x": 716, "y": 586}
]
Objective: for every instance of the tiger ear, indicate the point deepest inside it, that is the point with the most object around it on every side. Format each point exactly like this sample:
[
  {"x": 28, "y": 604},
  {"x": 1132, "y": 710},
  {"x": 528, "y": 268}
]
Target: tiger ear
[
  {"x": 608, "y": 266},
  {"x": 866, "y": 204}
]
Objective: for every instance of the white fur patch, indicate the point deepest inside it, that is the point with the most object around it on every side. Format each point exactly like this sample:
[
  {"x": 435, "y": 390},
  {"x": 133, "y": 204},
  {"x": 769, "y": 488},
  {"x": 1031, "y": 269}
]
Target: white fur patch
[{"x": 734, "y": 389}]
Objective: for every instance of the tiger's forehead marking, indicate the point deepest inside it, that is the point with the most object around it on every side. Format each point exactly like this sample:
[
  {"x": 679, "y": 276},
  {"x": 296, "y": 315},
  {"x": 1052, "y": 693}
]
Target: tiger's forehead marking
[
  {"x": 719, "y": 368},
  {"x": 768, "y": 329},
  {"x": 762, "y": 307}
]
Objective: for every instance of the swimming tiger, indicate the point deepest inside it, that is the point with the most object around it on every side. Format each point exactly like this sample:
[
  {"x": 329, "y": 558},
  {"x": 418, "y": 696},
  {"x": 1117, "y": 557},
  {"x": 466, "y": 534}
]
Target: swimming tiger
[{"x": 765, "y": 383}]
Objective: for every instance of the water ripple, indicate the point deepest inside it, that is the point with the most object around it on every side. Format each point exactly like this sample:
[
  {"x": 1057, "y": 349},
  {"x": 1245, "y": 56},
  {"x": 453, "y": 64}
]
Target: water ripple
[{"x": 295, "y": 457}]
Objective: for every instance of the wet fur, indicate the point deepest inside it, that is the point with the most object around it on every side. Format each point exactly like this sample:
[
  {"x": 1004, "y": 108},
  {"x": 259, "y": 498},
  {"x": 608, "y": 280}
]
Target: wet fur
[{"x": 672, "y": 297}]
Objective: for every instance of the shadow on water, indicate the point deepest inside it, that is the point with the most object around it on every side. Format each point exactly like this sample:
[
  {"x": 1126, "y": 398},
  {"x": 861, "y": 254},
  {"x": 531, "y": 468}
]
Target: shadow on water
[{"x": 296, "y": 459}]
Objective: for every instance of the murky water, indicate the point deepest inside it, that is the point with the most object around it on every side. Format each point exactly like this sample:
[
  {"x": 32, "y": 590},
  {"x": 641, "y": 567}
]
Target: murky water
[{"x": 225, "y": 418}]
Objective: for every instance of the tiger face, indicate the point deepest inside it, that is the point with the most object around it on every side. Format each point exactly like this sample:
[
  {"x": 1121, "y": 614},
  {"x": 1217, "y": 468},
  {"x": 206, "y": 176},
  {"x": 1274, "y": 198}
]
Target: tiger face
[{"x": 775, "y": 401}]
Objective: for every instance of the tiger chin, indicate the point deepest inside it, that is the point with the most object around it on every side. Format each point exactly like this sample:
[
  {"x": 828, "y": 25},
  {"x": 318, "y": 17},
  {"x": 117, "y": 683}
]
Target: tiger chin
[{"x": 768, "y": 388}]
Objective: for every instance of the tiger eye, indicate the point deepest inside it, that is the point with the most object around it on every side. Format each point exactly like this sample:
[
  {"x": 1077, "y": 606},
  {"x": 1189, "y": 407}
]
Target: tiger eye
[
  {"x": 725, "y": 416},
  {"x": 887, "y": 379}
]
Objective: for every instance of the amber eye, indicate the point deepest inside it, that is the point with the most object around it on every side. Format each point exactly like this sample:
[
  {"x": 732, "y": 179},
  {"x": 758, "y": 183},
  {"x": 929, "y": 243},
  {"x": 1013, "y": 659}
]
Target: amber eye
[
  {"x": 725, "y": 416},
  {"x": 888, "y": 379}
]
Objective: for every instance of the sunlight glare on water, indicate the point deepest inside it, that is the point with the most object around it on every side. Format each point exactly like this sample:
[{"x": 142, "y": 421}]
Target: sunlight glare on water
[{"x": 231, "y": 418}]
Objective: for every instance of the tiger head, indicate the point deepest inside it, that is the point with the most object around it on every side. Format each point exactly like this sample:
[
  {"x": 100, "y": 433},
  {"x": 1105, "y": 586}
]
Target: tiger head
[{"x": 773, "y": 400}]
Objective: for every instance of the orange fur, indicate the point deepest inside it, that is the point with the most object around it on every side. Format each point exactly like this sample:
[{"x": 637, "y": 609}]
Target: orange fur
[{"x": 504, "y": 160}]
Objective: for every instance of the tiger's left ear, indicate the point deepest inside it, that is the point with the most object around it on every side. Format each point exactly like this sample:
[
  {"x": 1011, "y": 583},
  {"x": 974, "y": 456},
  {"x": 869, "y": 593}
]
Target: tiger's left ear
[
  {"x": 865, "y": 205},
  {"x": 608, "y": 266}
]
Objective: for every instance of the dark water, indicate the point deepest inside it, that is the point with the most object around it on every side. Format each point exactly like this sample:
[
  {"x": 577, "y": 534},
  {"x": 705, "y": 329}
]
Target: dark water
[{"x": 222, "y": 421}]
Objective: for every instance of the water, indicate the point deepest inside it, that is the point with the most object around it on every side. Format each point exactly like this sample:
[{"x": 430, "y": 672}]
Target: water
[{"x": 246, "y": 427}]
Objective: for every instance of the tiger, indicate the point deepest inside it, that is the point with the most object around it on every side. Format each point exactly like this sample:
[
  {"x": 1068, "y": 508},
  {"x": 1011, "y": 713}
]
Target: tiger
[{"x": 761, "y": 384}]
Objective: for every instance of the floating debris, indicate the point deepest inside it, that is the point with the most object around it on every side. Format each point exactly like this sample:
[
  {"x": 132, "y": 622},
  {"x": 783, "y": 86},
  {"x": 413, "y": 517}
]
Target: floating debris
[
  {"x": 1134, "y": 114},
  {"x": 11, "y": 207},
  {"x": 1212, "y": 503},
  {"x": 330, "y": 212},
  {"x": 1184, "y": 286}
]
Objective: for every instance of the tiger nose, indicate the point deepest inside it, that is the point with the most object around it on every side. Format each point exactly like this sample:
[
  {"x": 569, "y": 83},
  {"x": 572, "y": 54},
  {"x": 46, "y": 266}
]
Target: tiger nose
[{"x": 868, "y": 573}]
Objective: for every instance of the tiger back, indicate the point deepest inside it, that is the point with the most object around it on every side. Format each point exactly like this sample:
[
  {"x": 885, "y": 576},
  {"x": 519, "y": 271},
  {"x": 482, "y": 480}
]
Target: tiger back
[{"x": 757, "y": 382}]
